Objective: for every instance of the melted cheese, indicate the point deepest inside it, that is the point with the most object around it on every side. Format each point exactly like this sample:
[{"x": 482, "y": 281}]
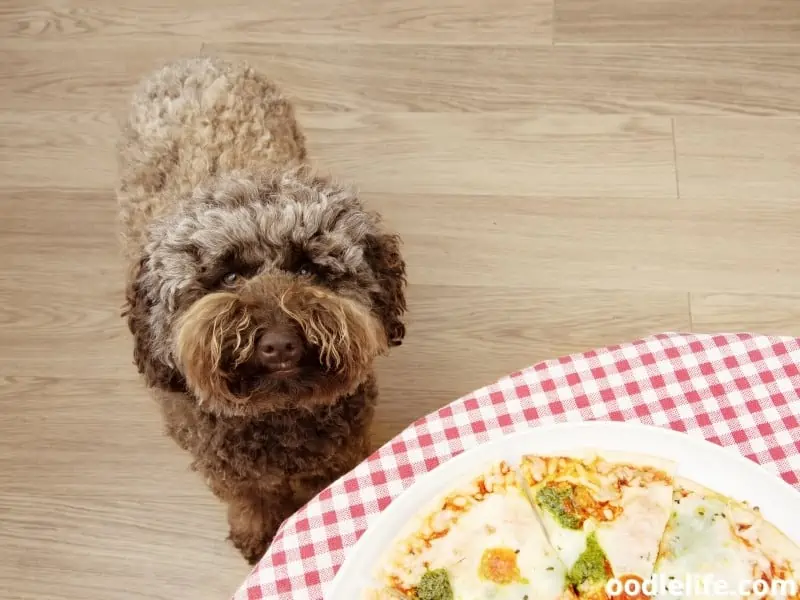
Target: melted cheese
[
  {"x": 700, "y": 540},
  {"x": 501, "y": 522},
  {"x": 489, "y": 541},
  {"x": 569, "y": 543},
  {"x": 631, "y": 541}
]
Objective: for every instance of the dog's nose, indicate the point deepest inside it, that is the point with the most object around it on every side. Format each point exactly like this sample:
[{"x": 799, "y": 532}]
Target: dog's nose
[{"x": 280, "y": 349}]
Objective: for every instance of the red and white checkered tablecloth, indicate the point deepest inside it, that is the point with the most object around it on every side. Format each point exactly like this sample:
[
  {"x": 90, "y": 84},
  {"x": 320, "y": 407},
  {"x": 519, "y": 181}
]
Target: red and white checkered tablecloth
[{"x": 734, "y": 390}]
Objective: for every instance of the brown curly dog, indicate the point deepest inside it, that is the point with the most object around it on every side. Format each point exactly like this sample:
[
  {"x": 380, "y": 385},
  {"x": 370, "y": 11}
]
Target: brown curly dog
[{"x": 258, "y": 293}]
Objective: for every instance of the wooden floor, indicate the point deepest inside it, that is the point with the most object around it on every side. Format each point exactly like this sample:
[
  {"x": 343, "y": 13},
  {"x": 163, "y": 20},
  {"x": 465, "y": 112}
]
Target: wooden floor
[{"x": 564, "y": 176}]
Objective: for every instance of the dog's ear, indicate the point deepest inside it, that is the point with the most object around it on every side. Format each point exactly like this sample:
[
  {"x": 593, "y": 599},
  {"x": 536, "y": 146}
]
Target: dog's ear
[
  {"x": 137, "y": 312},
  {"x": 386, "y": 260}
]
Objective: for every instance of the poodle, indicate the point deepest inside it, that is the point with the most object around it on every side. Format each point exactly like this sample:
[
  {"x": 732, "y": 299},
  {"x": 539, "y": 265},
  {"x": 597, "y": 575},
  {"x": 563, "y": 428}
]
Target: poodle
[{"x": 258, "y": 293}]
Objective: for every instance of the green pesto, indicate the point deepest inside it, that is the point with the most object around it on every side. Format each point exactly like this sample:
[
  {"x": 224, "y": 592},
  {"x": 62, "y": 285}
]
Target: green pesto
[
  {"x": 591, "y": 564},
  {"x": 555, "y": 501},
  {"x": 434, "y": 585}
]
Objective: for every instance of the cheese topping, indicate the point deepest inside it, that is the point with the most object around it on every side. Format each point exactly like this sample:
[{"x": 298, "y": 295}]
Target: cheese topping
[
  {"x": 703, "y": 538},
  {"x": 488, "y": 542},
  {"x": 631, "y": 541}
]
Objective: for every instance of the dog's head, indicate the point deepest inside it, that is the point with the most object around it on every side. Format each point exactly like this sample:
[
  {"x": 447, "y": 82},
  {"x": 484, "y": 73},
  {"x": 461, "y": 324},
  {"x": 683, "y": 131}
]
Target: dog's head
[{"x": 263, "y": 292}]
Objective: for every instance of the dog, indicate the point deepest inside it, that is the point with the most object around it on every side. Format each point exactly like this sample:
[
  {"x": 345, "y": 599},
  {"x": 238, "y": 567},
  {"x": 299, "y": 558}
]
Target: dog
[{"x": 258, "y": 293}]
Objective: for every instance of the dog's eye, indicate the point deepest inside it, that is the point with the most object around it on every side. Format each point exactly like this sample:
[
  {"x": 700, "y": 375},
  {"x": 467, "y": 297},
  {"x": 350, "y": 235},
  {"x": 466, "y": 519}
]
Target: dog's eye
[
  {"x": 305, "y": 270},
  {"x": 230, "y": 278}
]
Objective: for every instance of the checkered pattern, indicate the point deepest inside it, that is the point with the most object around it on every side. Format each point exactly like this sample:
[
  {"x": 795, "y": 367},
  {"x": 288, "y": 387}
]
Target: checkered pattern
[{"x": 733, "y": 390}]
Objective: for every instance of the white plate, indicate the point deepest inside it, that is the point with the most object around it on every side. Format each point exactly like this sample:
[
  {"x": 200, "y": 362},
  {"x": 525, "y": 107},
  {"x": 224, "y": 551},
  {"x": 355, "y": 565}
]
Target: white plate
[{"x": 721, "y": 469}]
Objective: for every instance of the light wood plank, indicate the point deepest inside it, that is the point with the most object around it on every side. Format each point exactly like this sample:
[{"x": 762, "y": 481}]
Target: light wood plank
[
  {"x": 71, "y": 333},
  {"x": 80, "y": 216},
  {"x": 68, "y": 150},
  {"x": 462, "y": 338},
  {"x": 739, "y": 179},
  {"x": 727, "y": 159},
  {"x": 100, "y": 500},
  {"x": 617, "y": 79},
  {"x": 767, "y": 314},
  {"x": 496, "y": 154},
  {"x": 299, "y": 21},
  {"x": 430, "y": 77},
  {"x": 61, "y": 286},
  {"x": 100, "y": 76},
  {"x": 120, "y": 415},
  {"x": 677, "y": 21},
  {"x": 601, "y": 242}
]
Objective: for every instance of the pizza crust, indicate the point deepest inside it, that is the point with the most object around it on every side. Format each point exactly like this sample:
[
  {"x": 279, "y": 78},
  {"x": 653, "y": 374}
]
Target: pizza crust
[{"x": 637, "y": 459}]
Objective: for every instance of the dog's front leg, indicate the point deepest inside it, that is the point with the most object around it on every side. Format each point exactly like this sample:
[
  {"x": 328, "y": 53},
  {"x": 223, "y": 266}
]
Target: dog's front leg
[
  {"x": 254, "y": 518},
  {"x": 256, "y": 514}
]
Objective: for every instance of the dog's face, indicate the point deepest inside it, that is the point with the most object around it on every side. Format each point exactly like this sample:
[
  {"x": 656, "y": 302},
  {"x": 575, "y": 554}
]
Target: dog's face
[{"x": 264, "y": 292}]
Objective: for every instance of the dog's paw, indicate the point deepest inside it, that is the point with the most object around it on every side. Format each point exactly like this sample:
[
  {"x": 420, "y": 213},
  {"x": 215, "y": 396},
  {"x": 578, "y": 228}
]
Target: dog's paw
[{"x": 251, "y": 545}]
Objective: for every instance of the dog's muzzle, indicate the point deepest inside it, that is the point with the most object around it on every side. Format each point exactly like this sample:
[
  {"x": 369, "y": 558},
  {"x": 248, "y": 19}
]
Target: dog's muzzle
[{"x": 273, "y": 336}]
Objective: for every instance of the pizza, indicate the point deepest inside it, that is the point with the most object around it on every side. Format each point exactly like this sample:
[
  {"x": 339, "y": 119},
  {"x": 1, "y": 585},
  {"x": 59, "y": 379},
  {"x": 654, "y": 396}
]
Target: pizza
[
  {"x": 711, "y": 540},
  {"x": 568, "y": 526},
  {"x": 605, "y": 515},
  {"x": 482, "y": 540}
]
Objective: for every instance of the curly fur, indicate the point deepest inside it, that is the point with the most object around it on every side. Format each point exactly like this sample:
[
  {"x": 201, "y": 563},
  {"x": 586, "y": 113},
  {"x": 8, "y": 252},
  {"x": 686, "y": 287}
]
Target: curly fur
[{"x": 228, "y": 233}]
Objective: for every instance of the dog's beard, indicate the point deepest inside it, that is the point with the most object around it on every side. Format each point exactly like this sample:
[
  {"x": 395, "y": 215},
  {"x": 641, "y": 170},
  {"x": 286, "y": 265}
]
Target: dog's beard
[{"x": 216, "y": 342}]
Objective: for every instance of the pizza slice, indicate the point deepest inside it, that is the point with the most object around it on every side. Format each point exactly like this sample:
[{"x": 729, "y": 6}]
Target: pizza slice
[
  {"x": 720, "y": 547},
  {"x": 604, "y": 513},
  {"x": 479, "y": 541}
]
